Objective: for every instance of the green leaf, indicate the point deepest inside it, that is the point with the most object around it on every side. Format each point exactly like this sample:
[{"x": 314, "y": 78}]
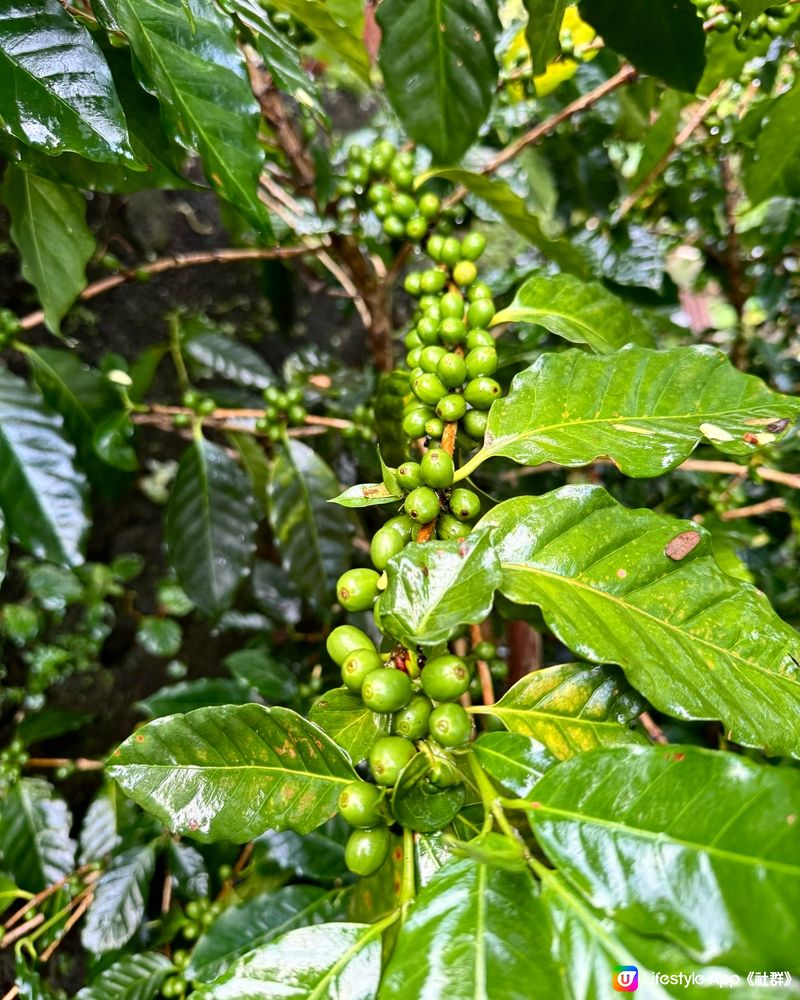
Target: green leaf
[
  {"x": 499, "y": 196},
  {"x": 571, "y": 708},
  {"x": 634, "y": 408},
  {"x": 3, "y": 547},
  {"x": 752, "y": 8},
  {"x": 41, "y": 492},
  {"x": 186, "y": 53},
  {"x": 493, "y": 849},
  {"x": 48, "y": 225},
  {"x": 418, "y": 804},
  {"x": 312, "y": 536},
  {"x": 310, "y": 963},
  {"x": 317, "y": 856},
  {"x": 217, "y": 354},
  {"x": 134, "y": 977},
  {"x": 281, "y": 57},
  {"x": 436, "y": 586},
  {"x": 474, "y": 933},
  {"x": 120, "y": 899},
  {"x": 159, "y": 636},
  {"x": 273, "y": 680},
  {"x": 583, "y": 312},
  {"x": 253, "y": 924},
  {"x": 186, "y": 696},
  {"x": 542, "y": 31},
  {"x": 347, "y": 720},
  {"x": 664, "y": 38},
  {"x": 34, "y": 835},
  {"x": 773, "y": 168},
  {"x": 231, "y": 772},
  {"x": 99, "y": 834},
  {"x": 211, "y": 525},
  {"x": 8, "y": 890},
  {"x": 344, "y": 39},
  {"x": 611, "y": 592},
  {"x": 616, "y": 820},
  {"x": 56, "y": 91},
  {"x": 439, "y": 68},
  {"x": 256, "y": 464},
  {"x": 367, "y": 495},
  {"x": 514, "y": 761}
]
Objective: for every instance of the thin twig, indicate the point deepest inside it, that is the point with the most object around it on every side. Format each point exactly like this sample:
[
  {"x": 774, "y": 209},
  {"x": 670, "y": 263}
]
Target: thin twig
[
  {"x": 12, "y": 993},
  {"x": 78, "y": 763},
  {"x": 652, "y": 728},
  {"x": 238, "y": 868},
  {"x": 771, "y": 506},
  {"x": 175, "y": 262},
  {"x": 74, "y": 917},
  {"x": 449, "y": 445},
  {"x": 44, "y": 894}
]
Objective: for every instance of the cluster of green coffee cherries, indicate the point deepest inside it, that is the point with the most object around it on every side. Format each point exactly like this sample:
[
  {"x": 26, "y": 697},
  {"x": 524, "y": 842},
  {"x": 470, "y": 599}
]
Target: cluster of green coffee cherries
[
  {"x": 383, "y": 178},
  {"x": 12, "y": 760},
  {"x": 201, "y": 404},
  {"x": 723, "y": 18},
  {"x": 284, "y": 408},
  {"x": 200, "y": 914},
  {"x": 425, "y": 707}
]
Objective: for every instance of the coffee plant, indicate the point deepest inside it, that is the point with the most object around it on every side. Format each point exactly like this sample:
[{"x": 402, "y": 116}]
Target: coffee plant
[{"x": 399, "y": 499}]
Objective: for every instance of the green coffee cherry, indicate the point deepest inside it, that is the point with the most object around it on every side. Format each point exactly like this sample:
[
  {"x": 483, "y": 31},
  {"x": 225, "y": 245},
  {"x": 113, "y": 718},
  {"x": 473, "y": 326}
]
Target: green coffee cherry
[
  {"x": 404, "y": 206},
  {"x": 402, "y": 176},
  {"x": 344, "y": 639},
  {"x": 445, "y": 678},
  {"x": 383, "y": 210},
  {"x": 451, "y": 407},
  {"x": 429, "y": 207},
  {"x": 416, "y": 228},
  {"x": 434, "y": 427},
  {"x": 385, "y": 543},
  {"x": 414, "y": 421},
  {"x": 388, "y": 756},
  {"x": 464, "y": 273},
  {"x": 450, "y": 725},
  {"x": 499, "y": 669},
  {"x": 451, "y": 251},
  {"x": 479, "y": 338},
  {"x": 430, "y": 357},
  {"x": 358, "y": 665},
  {"x": 409, "y": 475},
  {"x": 413, "y": 283},
  {"x": 433, "y": 247},
  {"x": 366, "y": 850},
  {"x": 480, "y": 313},
  {"x": 437, "y": 468},
  {"x": 452, "y": 331},
  {"x": 481, "y": 392},
  {"x": 452, "y": 305},
  {"x": 359, "y": 804},
  {"x": 464, "y": 504},
  {"x": 422, "y": 504},
  {"x": 412, "y": 721},
  {"x": 473, "y": 245},
  {"x": 357, "y": 589},
  {"x": 428, "y": 388},
  {"x": 386, "y": 690},
  {"x": 448, "y": 528},
  {"x": 412, "y": 341},
  {"x": 452, "y": 370},
  {"x": 428, "y": 330},
  {"x": 481, "y": 361},
  {"x": 480, "y": 290},
  {"x": 485, "y": 650},
  {"x": 394, "y": 226},
  {"x": 413, "y": 357},
  {"x": 402, "y": 525},
  {"x": 379, "y": 192},
  {"x": 475, "y": 423},
  {"x": 433, "y": 281}
]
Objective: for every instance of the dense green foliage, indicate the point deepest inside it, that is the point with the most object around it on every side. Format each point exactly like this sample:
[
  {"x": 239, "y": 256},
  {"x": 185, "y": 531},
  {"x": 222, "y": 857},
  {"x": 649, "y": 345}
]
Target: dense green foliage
[{"x": 462, "y": 627}]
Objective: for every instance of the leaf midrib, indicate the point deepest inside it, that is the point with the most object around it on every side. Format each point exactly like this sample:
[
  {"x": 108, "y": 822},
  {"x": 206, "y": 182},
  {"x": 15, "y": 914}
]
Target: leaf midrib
[{"x": 261, "y": 768}]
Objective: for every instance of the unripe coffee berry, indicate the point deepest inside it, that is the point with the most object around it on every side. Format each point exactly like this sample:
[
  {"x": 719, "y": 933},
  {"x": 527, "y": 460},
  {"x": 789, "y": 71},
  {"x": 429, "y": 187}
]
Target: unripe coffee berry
[
  {"x": 359, "y": 804},
  {"x": 451, "y": 407},
  {"x": 480, "y": 313},
  {"x": 445, "y": 678},
  {"x": 412, "y": 721},
  {"x": 385, "y": 544},
  {"x": 449, "y": 528},
  {"x": 430, "y": 357},
  {"x": 388, "y": 757},
  {"x": 475, "y": 423},
  {"x": 481, "y": 361},
  {"x": 464, "y": 504},
  {"x": 437, "y": 468},
  {"x": 428, "y": 388},
  {"x": 450, "y": 725},
  {"x": 344, "y": 639},
  {"x": 464, "y": 273},
  {"x": 473, "y": 245},
  {"x": 358, "y": 665},
  {"x": 366, "y": 850},
  {"x": 409, "y": 475},
  {"x": 386, "y": 690},
  {"x": 481, "y": 392},
  {"x": 451, "y": 251},
  {"x": 452, "y": 370},
  {"x": 452, "y": 305},
  {"x": 357, "y": 589},
  {"x": 422, "y": 504}
]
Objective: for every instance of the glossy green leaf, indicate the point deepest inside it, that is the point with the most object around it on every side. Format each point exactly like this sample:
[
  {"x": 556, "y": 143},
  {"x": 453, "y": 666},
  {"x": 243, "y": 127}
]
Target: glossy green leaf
[
  {"x": 186, "y": 53},
  {"x": 542, "y": 31},
  {"x": 258, "y": 669},
  {"x": 3, "y": 547},
  {"x": 41, "y": 492},
  {"x": 474, "y": 933},
  {"x": 515, "y": 212},
  {"x": 188, "y": 869},
  {"x": 643, "y": 590},
  {"x": 664, "y": 38},
  {"x": 99, "y": 834},
  {"x": 211, "y": 525},
  {"x": 436, "y": 586},
  {"x": 281, "y": 57},
  {"x": 134, "y": 977},
  {"x": 159, "y": 636},
  {"x": 439, "y": 68},
  {"x": 583, "y": 312},
  {"x": 186, "y": 696},
  {"x": 571, "y": 708},
  {"x": 618, "y": 820},
  {"x": 34, "y": 835},
  {"x": 256, "y": 464},
  {"x": 216, "y": 354},
  {"x": 48, "y": 225},
  {"x": 231, "y": 772},
  {"x": 312, "y": 536},
  {"x": 317, "y": 856},
  {"x": 348, "y": 722},
  {"x": 773, "y": 168},
  {"x": 56, "y": 91},
  {"x": 8, "y": 890},
  {"x": 634, "y": 407},
  {"x": 311, "y": 963},
  {"x": 367, "y": 495},
  {"x": 752, "y": 8},
  {"x": 418, "y": 804},
  {"x": 119, "y": 900},
  {"x": 343, "y": 36},
  {"x": 240, "y": 929},
  {"x": 514, "y": 761}
]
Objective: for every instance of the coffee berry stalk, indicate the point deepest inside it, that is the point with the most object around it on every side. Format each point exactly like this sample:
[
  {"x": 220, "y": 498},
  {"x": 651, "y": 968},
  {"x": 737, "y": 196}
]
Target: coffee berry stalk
[{"x": 451, "y": 358}]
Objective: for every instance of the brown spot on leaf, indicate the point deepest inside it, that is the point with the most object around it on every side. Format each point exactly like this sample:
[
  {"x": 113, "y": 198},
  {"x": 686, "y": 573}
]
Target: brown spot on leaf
[
  {"x": 622, "y": 573},
  {"x": 139, "y": 738},
  {"x": 778, "y": 426},
  {"x": 676, "y": 756},
  {"x": 286, "y": 748},
  {"x": 536, "y": 805},
  {"x": 682, "y": 545},
  {"x": 378, "y": 490},
  {"x": 791, "y": 819},
  {"x": 398, "y": 854},
  {"x": 749, "y": 438}
]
